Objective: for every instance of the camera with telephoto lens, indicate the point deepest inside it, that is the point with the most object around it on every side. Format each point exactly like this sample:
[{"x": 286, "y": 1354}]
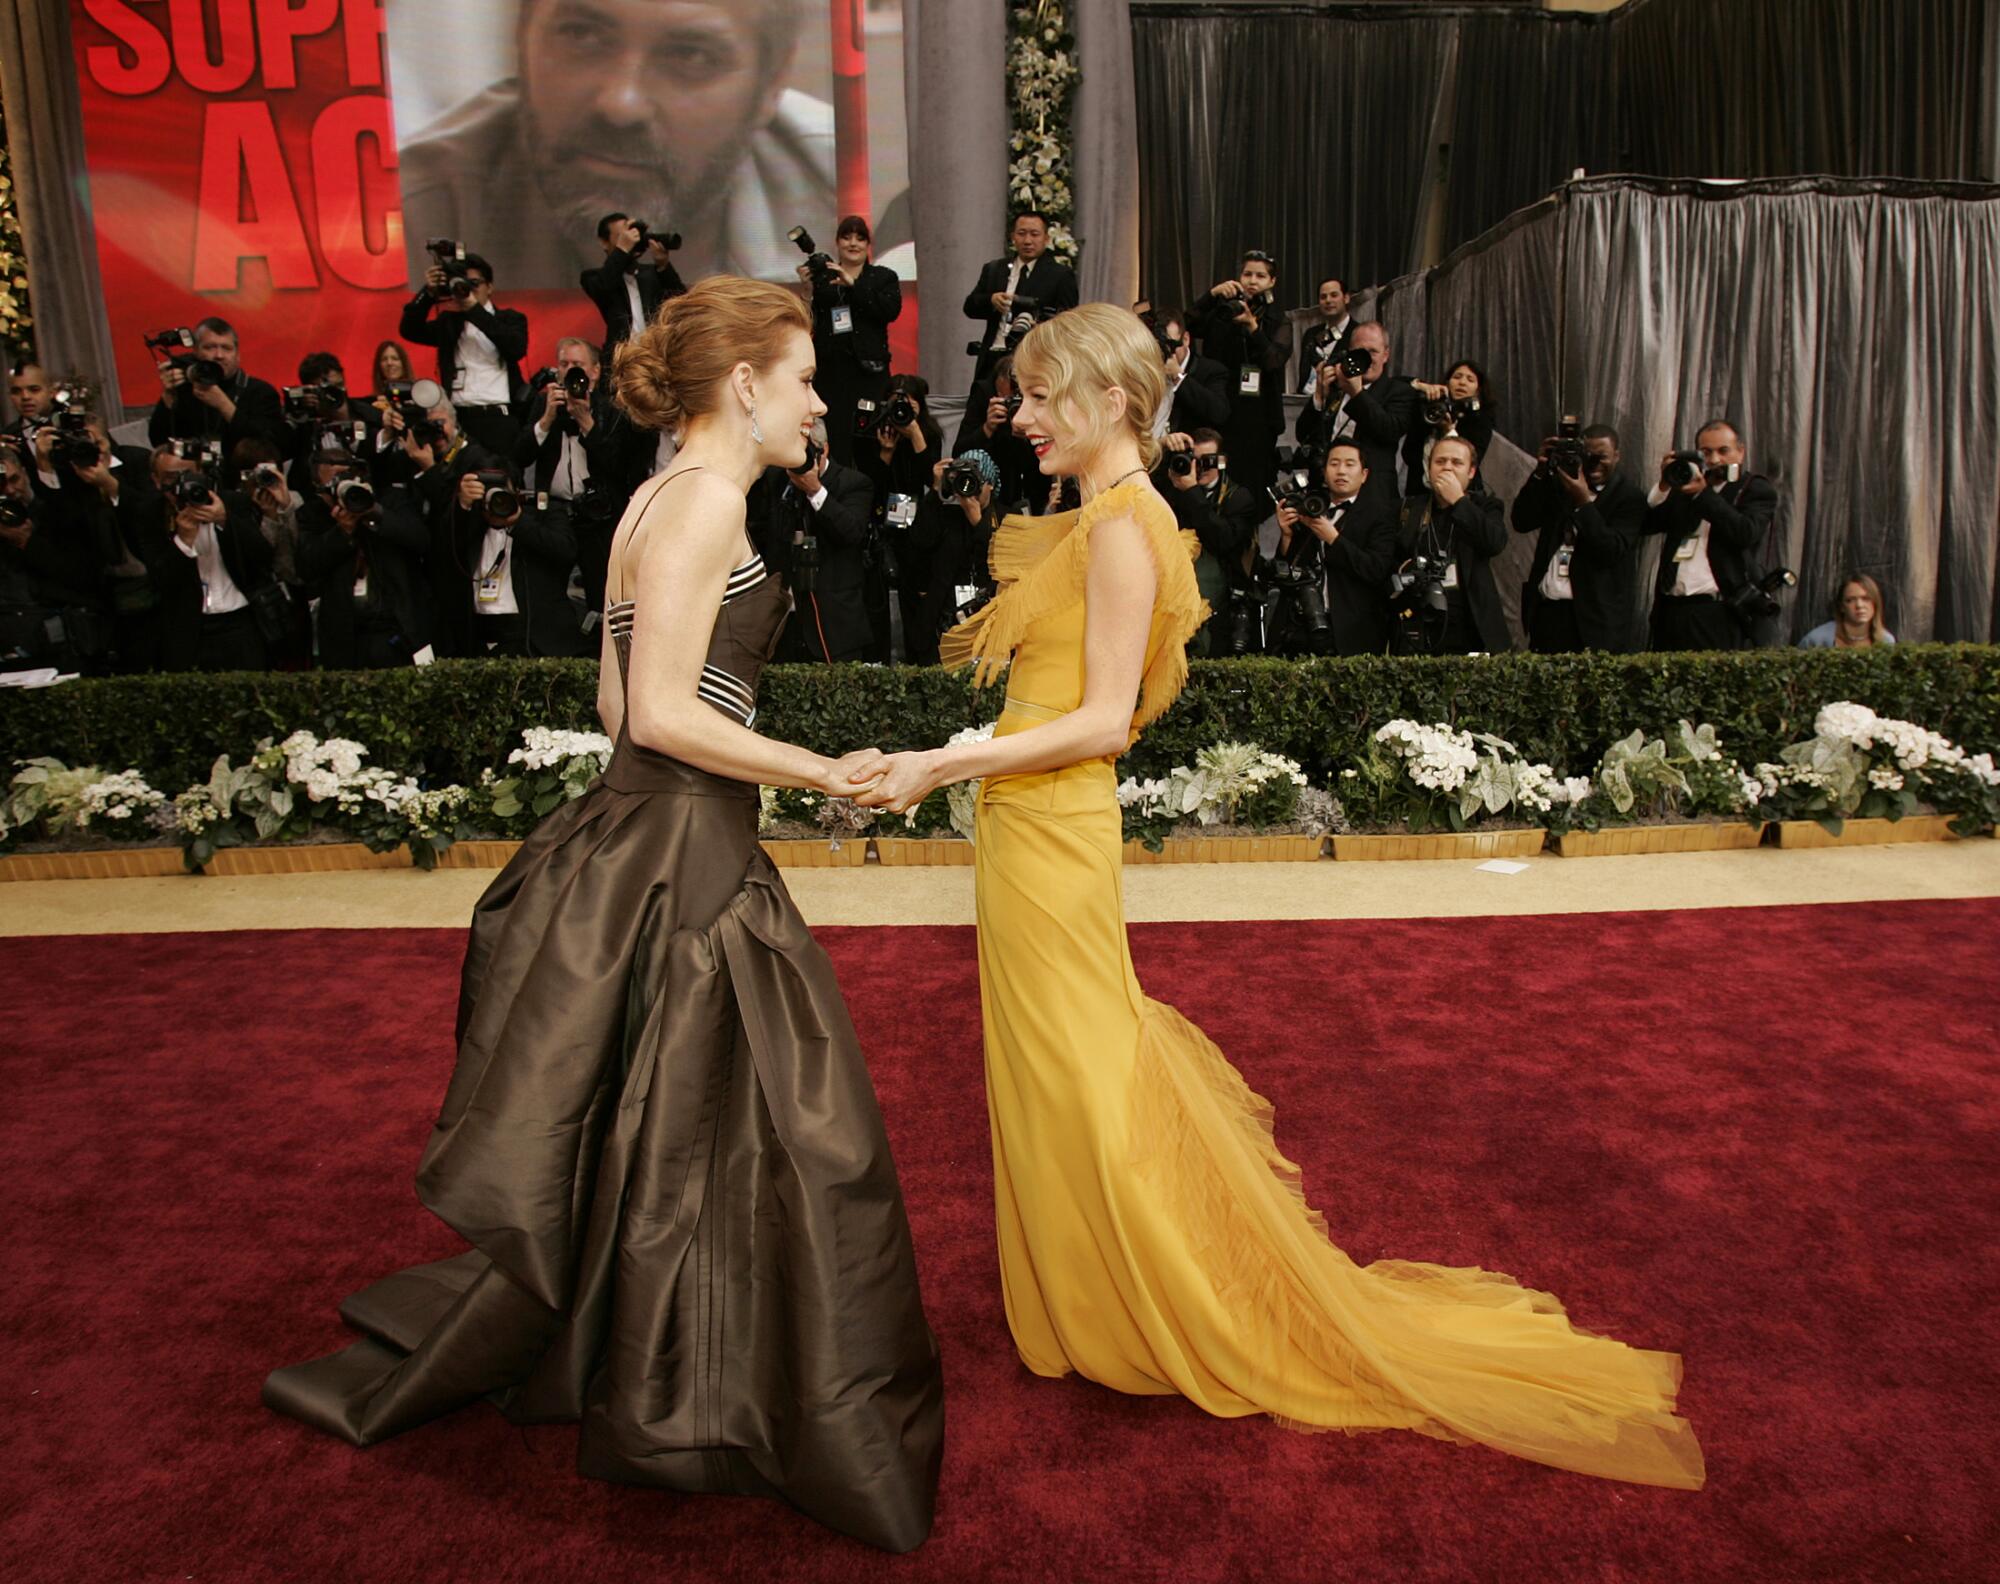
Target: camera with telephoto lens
[
  {"x": 670, "y": 240},
  {"x": 1444, "y": 412},
  {"x": 1297, "y": 486},
  {"x": 961, "y": 481},
  {"x": 191, "y": 489},
  {"x": 818, "y": 265},
  {"x": 1759, "y": 600},
  {"x": 349, "y": 436},
  {"x": 1418, "y": 585},
  {"x": 1683, "y": 467},
  {"x": 501, "y": 502},
  {"x": 1292, "y": 592},
  {"x": 177, "y": 347},
  {"x": 1566, "y": 450},
  {"x": 1022, "y": 317},
  {"x": 450, "y": 257}
]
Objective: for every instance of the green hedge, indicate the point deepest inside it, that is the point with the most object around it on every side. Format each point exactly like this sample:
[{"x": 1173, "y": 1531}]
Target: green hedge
[{"x": 451, "y": 720}]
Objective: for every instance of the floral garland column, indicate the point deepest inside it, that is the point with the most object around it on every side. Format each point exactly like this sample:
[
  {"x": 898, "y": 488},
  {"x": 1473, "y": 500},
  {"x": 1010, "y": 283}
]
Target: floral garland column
[
  {"x": 1041, "y": 84},
  {"x": 14, "y": 317}
]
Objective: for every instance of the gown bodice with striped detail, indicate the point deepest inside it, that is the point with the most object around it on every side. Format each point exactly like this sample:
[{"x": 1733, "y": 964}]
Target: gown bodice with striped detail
[{"x": 752, "y": 615}]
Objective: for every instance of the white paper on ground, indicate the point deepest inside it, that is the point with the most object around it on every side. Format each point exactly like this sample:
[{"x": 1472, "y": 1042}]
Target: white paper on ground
[
  {"x": 423, "y": 656},
  {"x": 43, "y": 676},
  {"x": 1503, "y": 866}
]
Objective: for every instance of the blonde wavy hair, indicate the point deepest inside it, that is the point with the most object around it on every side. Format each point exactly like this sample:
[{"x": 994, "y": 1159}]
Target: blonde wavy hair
[{"x": 1082, "y": 355}]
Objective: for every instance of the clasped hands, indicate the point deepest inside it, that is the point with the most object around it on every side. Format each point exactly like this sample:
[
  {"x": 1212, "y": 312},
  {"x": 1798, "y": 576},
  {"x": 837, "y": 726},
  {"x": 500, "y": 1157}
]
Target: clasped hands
[{"x": 874, "y": 779}]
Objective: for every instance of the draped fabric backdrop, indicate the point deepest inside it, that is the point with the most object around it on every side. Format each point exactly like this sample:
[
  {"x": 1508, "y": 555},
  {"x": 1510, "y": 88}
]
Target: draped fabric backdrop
[
  {"x": 1846, "y": 326},
  {"x": 1105, "y": 158}
]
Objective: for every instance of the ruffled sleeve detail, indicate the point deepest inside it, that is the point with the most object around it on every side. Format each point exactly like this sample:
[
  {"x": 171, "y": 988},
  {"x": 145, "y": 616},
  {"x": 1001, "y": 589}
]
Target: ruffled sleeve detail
[{"x": 1042, "y": 565}]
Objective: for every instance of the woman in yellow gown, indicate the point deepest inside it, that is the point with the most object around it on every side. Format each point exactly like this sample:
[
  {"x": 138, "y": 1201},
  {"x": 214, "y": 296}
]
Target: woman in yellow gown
[{"x": 1152, "y": 1237}]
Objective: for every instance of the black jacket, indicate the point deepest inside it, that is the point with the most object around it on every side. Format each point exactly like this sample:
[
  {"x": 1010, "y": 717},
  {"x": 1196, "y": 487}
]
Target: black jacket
[
  {"x": 1267, "y": 347},
  {"x": 1202, "y": 399},
  {"x": 260, "y": 415},
  {"x": 393, "y": 544},
  {"x": 835, "y": 606},
  {"x": 1315, "y": 338},
  {"x": 1380, "y": 416},
  {"x": 1048, "y": 280},
  {"x": 875, "y": 300},
  {"x": 1023, "y": 487},
  {"x": 1475, "y": 530},
  {"x": 1739, "y": 518},
  {"x": 1605, "y": 537},
  {"x": 542, "y": 551},
  {"x": 954, "y": 550},
  {"x": 1357, "y": 567},
  {"x": 605, "y": 286},
  {"x": 1476, "y": 427},
  {"x": 602, "y": 453},
  {"x": 506, "y": 328},
  {"x": 246, "y": 556}
]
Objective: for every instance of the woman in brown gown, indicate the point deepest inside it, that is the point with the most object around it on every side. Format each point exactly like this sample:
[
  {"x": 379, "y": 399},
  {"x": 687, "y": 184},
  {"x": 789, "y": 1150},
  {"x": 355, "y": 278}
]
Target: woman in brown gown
[{"x": 660, "y": 1139}]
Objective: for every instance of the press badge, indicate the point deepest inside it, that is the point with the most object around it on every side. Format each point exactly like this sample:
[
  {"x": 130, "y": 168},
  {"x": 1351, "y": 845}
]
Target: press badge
[
  {"x": 902, "y": 510},
  {"x": 361, "y": 587},
  {"x": 1687, "y": 547},
  {"x": 1251, "y": 381},
  {"x": 843, "y": 320},
  {"x": 489, "y": 581},
  {"x": 1450, "y": 575},
  {"x": 204, "y": 597}
]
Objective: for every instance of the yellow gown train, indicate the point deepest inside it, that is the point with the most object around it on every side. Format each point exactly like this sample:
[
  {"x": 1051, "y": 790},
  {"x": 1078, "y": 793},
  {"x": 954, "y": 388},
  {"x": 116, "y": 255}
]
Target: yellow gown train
[{"x": 1152, "y": 1238}]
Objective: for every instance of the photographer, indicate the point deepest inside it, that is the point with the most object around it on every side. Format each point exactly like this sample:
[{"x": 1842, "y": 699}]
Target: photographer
[
  {"x": 955, "y": 523},
  {"x": 113, "y": 498},
  {"x": 479, "y": 346},
  {"x": 907, "y": 445},
  {"x": 1715, "y": 520},
  {"x": 209, "y": 560},
  {"x": 37, "y": 401},
  {"x": 572, "y": 450},
  {"x": 1355, "y": 397},
  {"x": 637, "y": 275},
  {"x": 53, "y": 608},
  {"x": 1462, "y": 405},
  {"x": 1581, "y": 589},
  {"x": 205, "y": 394},
  {"x": 320, "y": 398},
  {"x": 510, "y": 556},
  {"x": 1447, "y": 602},
  {"x": 1193, "y": 476},
  {"x": 1242, "y": 328},
  {"x": 1354, "y": 542},
  {"x": 812, "y": 528},
  {"x": 854, "y": 301},
  {"x": 1014, "y": 292},
  {"x": 1197, "y": 387},
  {"x": 361, "y": 554},
  {"x": 988, "y": 425},
  {"x": 1326, "y": 337}
]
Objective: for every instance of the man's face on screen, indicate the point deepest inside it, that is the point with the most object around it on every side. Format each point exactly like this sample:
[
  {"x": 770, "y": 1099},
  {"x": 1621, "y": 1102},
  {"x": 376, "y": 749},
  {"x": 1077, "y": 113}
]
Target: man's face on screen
[{"x": 644, "y": 105}]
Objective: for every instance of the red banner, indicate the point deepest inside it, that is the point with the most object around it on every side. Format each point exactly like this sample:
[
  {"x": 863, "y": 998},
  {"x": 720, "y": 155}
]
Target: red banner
[{"x": 243, "y": 164}]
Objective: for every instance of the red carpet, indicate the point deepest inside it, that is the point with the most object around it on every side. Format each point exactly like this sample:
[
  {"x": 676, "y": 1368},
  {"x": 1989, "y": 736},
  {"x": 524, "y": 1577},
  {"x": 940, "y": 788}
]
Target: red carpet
[{"x": 1769, "y": 1140}]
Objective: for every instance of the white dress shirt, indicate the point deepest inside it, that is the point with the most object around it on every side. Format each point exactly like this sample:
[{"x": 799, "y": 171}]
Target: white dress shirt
[
  {"x": 219, "y": 593},
  {"x": 481, "y": 380},
  {"x": 498, "y": 547}
]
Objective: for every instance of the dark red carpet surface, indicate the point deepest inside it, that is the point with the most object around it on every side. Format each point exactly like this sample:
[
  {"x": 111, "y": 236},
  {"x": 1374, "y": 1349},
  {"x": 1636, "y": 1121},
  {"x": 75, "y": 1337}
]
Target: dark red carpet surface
[{"x": 1767, "y": 1139}]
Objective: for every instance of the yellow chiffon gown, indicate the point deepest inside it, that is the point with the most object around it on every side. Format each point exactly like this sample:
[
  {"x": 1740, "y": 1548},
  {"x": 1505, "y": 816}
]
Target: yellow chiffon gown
[{"x": 1152, "y": 1238}]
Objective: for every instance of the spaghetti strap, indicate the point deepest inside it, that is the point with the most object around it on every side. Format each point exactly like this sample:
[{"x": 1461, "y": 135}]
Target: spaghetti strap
[{"x": 658, "y": 484}]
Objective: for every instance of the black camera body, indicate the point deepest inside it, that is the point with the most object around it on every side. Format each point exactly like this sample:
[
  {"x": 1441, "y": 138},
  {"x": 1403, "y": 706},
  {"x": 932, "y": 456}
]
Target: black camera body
[
  {"x": 450, "y": 257},
  {"x": 177, "y": 347},
  {"x": 1445, "y": 412},
  {"x": 354, "y": 496},
  {"x": 670, "y": 240},
  {"x": 899, "y": 413},
  {"x": 1298, "y": 486},
  {"x": 1758, "y": 600},
  {"x": 501, "y": 502},
  {"x": 13, "y": 513},
  {"x": 1355, "y": 362},
  {"x": 1682, "y": 468},
  {"x": 76, "y": 446},
  {"x": 818, "y": 265},
  {"x": 191, "y": 489},
  {"x": 1180, "y": 463},
  {"x": 1022, "y": 317},
  {"x": 203, "y": 453},
  {"x": 306, "y": 404},
  {"x": 961, "y": 481},
  {"x": 1566, "y": 451}
]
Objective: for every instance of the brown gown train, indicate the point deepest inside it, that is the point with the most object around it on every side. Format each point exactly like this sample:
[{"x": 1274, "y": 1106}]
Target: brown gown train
[{"x": 663, "y": 1146}]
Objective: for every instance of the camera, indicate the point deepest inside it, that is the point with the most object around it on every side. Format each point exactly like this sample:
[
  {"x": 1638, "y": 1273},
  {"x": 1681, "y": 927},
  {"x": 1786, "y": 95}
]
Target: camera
[
  {"x": 192, "y": 489},
  {"x": 1417, "y": 604},
  {"x": 203, "y": 453},
  {"x": 1567, "y": 454},
  {"x": 354, "y": 496},
  {"x": 1180, "y": 463},
  {"x": 1759, "y": 600},
  {"x": 815, "y": 454},
  {"x": 961, "y": 481},
  {"x": 177, "y": 347},
  {"x": 804, "y": 571},
  {"x": 265, "y": 476},
  {"x": 1021, "y": 318},
  {"x": 397, "y": 391},
  {"x": 502, "y": 502},
  {"x": 670, "y": 240},
  {"x": 1683, "y": 467},
  {"x": 450, "y": 257},
  {"x": 819, "y": 265},
  {"x": 1444, "y": 413},
  {"x": 1355, "y": 362},
  {"x": 306, "y": 404},
  {"x": 349, "y": 436},
  {"x": 1297, "y": 486},
  {"x": 899, "y": 414},
  {"x": 13, "y": 513},
  {"x": 76, "y": 446}
]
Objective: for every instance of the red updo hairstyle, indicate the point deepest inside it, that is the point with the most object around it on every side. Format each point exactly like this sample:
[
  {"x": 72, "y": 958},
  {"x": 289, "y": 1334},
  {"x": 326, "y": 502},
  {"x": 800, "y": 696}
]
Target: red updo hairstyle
[{"x": 673, "y": 369}]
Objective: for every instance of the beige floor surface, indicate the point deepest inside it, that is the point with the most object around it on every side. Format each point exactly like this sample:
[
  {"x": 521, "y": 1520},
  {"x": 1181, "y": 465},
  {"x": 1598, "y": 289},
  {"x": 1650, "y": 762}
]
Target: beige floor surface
[{"x": 876, "y": 895}]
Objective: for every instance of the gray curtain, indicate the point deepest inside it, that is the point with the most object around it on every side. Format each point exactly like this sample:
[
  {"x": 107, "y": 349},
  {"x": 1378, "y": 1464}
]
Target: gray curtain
[
  {"x": 1846, "y": 327},
  {"x": 955, "y": 103},
  {"x": 1105, "y": 154},
  {"x": 45, "y": 136}
]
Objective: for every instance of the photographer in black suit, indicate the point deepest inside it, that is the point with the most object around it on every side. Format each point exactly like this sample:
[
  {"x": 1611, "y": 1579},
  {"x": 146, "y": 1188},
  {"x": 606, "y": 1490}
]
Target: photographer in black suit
[
  {"x": 1356, "y": 542},
  {"x": 955, "y": 522},
  {"x": 510, "y": 556},
  {"x": 208, "y": 396},
  {"x": 1326, "y": 337},
  {"x": 1715, "y": 520},
  {"x": 1587, "y": 516},
  {"x": 1462, "y": 405},
  {"x": 209, "y": 559},
  {"x": 1365, "y": 404},
  {"x": 575, "y": 449},
  {"x": 637, "y": 275},
  {"x": 811, "y": 527},
  {"x": 479, "y": 349},
  {"x": 1193, "y": 476},
  {"x": 988, "y": 425},
  {"x": 53, "y": 608},
  {"x": 1242, "y": 327},
  {"x": 854, "y": 301},
  {"x": 1043, "y": 283},
  {"x": 361, "y": 554},
  {"x": 1445, "y": 546},
  {"x": 1197, "y": 387}
]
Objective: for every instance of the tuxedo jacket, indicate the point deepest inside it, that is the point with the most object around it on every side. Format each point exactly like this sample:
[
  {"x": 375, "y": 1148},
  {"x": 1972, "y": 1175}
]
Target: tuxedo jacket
[
  {"x": 605, "y": 286},
  {"x": 1478, "y": 533},
  {"x": 1049, "y": 281},
  {"x": 1605, "y": 540},
  {"x": 1266, "y": 346},
  {"x": 1202, "y": 400},
  {"x": 1357, "y": 567},
  {"x": 390, "y": 547},
  {"x": 836, "y": 605},
  {"x": 246, "y": 555},
  {"x": 875, "y": 300},
  {"x": 601, "y": 451},
  {"x": 260, "y": 414},
  {"x": 542, "y": 551},
  {"x": 1739, "y": 518},
  {"x": 506, "y": 328}
]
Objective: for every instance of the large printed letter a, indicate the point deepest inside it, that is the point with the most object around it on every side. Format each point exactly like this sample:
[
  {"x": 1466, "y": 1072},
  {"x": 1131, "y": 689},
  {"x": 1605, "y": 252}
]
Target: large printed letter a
[{"x": 239, "y": 149}]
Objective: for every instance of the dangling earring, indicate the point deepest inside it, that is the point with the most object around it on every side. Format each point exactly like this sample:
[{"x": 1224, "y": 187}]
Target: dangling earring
[{"x": 756, "y": 433}]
